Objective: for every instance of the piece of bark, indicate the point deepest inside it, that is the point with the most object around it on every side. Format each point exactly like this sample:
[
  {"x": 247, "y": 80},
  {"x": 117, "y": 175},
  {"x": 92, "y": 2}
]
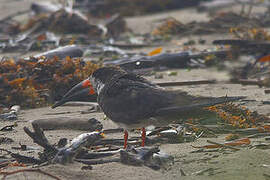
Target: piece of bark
[
  {"x": 147, "y": 156},
  {"x": 25, "y": 159},
  {"x": 171, "y": 60},
  {"x": 185, "y": 83},
  {"x": 66, "y": 154},
  {"x": 39, "y": 138},
  {"x": 62, "y": 52},
  {"x": 44, "y": 7},
  {"x": 69, "y": 123},
  {"x": 267, "y": 91}
]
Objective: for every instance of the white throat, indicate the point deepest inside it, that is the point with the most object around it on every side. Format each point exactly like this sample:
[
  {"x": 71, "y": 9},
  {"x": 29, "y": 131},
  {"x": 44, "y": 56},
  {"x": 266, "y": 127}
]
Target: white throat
[
  {"x": 100, "y": 86},
  {"x": 97, "y": 85}
]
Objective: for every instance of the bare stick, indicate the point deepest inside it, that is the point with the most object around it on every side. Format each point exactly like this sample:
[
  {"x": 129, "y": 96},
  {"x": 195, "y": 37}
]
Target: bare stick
[
  {"x": 267, "y": 91},
  {"x": 117, "y": 130},
  {"x": 258, "y": 135},
  {"x": 39, "y": 138},
  {"x": 185, "y": 83},
  {"x": 247, "y": 82},
  {"x": 223, "y": 145},
  {"x": 28, "y": 170},
  {"x": 95, "y": 162}
]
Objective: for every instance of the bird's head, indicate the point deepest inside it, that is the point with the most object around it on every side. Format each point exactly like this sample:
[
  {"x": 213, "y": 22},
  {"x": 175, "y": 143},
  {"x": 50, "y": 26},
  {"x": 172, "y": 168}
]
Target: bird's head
[{"x": 88, "y": 89}]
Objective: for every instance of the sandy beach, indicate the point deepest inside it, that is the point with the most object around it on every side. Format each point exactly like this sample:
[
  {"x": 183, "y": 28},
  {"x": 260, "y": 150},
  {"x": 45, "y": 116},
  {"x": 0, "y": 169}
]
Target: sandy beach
[{"x": 248, "y": 163}]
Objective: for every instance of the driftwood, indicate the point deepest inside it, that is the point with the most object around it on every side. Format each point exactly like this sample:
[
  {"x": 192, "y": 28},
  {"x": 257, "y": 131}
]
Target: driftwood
[
  {"x": 171, "y": 60},
  {"x": 44, "y": 7},
  {"x": 68, "y": 153},
  {"x": 215, "y": 5},
  {"x": 247, "y": 82},
  {"x": 130, "y": 8},
  {"x": 246, "y": 46},
  {"x": 20, "y": 158},
  {"x": 132, "y": 46},
  {"x": 8, "y": 173},
  {"x": 12, "y": 114},
  {"x": 25, "y": 159},
  {"x": 223, "y": 145},
  {"x": 186, "y": 83},
  {"x": 96, "y": 155},
  {"x": 107, "y": 131},
  {"x": 96, "y": 162},
  {"x": 147, "y": 156},
  {"x": 62, "y": 52},
  {"x": 39, "y": 138},
  {"x": 78, "y": 150},
  {"x": 61, "y": 155},
  {"x": 267, "y": 91},
  {"x": 69, "y": 123}
]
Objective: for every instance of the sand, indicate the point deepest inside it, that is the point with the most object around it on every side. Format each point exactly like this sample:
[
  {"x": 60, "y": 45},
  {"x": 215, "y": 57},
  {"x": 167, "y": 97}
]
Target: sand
[{"x": 248, "y": 163}]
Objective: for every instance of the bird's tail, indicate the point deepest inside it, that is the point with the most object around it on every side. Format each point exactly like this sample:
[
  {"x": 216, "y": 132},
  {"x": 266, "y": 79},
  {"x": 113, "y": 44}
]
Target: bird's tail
[{"x": 200, "y": 102}]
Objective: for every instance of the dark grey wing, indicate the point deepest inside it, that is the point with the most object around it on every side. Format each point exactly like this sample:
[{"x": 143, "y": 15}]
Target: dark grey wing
[
  {"x": 128, "y": 100},
  {"x": 187, "y": 105}
]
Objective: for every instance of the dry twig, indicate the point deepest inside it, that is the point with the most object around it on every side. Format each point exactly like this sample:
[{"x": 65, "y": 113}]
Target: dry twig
[
  {"x": 223, "y": 145},
  {"x": 185, "y": 83},
  {"x": 28, "y": 170}
]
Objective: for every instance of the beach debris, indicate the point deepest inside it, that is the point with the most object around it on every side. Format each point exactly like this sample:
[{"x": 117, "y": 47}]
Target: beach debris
[
  {"x": 9, "y": 127},
  {"x": 62, "y": 21},
  {"x": 172, "y": 73},
  {"x": 91, "y": 105},
  {"x": 215, "y": 5},
  {"x": 24, "y": 147},
  {"x": 6, "y": 140},
  {"x": 115, "y": 25},
  {"x": 147, "y": 156},
  {"x": 38, "y": 82},
  {"x": 71, "y": 51},
  {"x": 230, "y": 145},
  {"x": 39, "y": 138},
  {"x": 164, "y": 59},
  {"x": 250, "y": 46},
  {"x": 44, "y": 7},
  {"x": 155, "y": 51},
  {"x": 267, "y": 91},
  {"x": 10, "y": 173},
  {"x": 170, "y": 60},
  {"x": 231, "y": 137},
  {"x": 12, "y": 114},
  {"x": 21, "y": 159},
  {"x": 210, "y": 171},
  {"x": 221, "y": 23},
  {"x": 96, "y": 8},
  {"x": 253, "y": 43},
  {"x": 186, "y": 83},
  {"x": 238, "y": 116},
  {"x": 66, "y": 154},
  {"x": 53, "y": 25},
  {"x": 261, "y": 145},
  {"x": 57, "y": 123}
]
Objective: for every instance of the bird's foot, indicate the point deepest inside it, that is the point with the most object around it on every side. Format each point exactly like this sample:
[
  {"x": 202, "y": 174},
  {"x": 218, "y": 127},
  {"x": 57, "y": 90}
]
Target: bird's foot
[
  {"x": 125, "y": 139},
  {"x": 143, "y": 136}
]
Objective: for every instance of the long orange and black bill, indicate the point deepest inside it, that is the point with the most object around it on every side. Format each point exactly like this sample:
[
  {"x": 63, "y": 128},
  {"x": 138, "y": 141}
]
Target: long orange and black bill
[{"x": 83, "y": 91}]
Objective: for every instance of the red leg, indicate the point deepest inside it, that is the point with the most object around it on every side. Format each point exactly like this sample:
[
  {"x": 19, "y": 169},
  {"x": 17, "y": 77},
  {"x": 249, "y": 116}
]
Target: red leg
[
  {"x": 125, "y": 139},
  {"x": 143, "y": 136}
]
